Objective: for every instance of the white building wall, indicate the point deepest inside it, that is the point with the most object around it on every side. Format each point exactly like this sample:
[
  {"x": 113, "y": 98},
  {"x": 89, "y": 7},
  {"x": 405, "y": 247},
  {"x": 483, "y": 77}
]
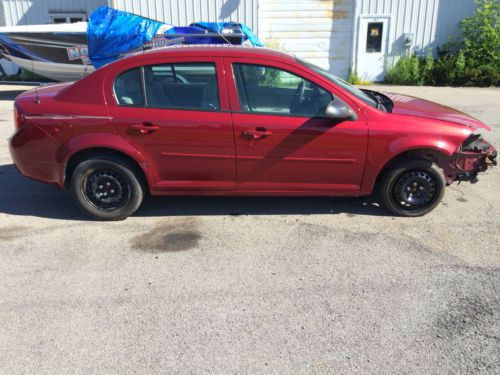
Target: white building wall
[
  {"x": 32, "y": 12},
  {"x": 319, "y": 31},
  {"x": 176, "y": 12},
  {"x": 184, "y": 12}
]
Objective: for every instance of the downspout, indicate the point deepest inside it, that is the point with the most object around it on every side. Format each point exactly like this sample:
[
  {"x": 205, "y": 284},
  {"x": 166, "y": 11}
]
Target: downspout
[{"x": 355, "y": 37}]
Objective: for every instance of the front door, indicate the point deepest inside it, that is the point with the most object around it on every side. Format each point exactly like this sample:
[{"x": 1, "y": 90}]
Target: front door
[
  {"x": 283, "y": 142},
  {"x": 177, "y": 114},
  {"x": 372, "y": 47}
]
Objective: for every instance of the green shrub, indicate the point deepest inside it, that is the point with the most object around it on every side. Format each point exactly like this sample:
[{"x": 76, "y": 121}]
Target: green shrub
[
  {"x": 406, "y": 71},
  {"x": 428, "y": 68},
  {"x": 353, "y": 78}
]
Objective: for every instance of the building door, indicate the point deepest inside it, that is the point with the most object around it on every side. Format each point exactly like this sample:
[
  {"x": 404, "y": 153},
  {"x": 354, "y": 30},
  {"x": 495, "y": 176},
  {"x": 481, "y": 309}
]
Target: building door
[{"x": 372, "y": 47}]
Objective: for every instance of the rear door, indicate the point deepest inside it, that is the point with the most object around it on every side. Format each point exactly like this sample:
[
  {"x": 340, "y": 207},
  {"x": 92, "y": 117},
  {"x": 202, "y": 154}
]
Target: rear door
[
  {"x": 283, "y": 142},
  {"x": 176, "y": 112}
]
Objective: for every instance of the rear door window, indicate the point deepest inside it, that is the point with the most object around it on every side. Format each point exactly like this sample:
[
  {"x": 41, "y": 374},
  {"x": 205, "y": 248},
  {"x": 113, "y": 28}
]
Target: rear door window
[{"x": 182, "y": 86}]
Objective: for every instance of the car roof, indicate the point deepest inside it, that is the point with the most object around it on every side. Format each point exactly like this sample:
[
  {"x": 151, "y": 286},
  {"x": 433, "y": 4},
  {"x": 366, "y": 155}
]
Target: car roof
[{"x": 219, "y": 50}]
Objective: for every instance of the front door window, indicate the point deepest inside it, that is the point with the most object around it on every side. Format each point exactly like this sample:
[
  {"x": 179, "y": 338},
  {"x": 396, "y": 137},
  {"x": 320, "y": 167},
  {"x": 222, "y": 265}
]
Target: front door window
[{"x": 264, "y": 89}]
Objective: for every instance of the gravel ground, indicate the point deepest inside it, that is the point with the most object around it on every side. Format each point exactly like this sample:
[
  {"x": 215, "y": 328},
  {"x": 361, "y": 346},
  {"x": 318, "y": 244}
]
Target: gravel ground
[{"x": 247, "y": 285}]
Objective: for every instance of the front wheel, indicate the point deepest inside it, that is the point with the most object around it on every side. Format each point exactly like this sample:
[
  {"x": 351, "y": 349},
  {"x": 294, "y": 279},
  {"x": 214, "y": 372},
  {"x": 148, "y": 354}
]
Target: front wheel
[
  {"x": 106, "y": 188},
  {"x": 413, "y": 188}
]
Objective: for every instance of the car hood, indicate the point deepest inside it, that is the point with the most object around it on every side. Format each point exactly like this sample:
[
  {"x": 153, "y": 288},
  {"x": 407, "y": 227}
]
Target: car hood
[{"x": 409, "y": 105}]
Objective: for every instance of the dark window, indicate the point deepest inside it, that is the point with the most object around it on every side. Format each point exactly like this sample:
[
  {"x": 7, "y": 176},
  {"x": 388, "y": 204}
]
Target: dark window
[
  {"x": 374, "y": 37},
  {"x": 67, "y": 17},
  {"x": 264, "y": 89},
  {"x": 128, "y": 88},
  {"x": 182, "y": 86}
]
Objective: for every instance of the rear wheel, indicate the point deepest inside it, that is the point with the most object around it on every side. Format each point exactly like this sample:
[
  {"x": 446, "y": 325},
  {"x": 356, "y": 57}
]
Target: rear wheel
[
  {"x": 107, "y": 188},
  {"x": 413, "y": 188}
]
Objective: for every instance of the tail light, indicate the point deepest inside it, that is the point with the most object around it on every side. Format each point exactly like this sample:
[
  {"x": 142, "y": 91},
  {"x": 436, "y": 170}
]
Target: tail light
[{"x": 18, "y": 118}]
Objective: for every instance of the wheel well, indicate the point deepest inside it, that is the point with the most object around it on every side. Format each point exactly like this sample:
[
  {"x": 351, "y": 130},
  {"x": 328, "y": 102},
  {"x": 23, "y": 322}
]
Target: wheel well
[
  {"x": 435, "y": 156},
  {"x": 88, "y": 153}
]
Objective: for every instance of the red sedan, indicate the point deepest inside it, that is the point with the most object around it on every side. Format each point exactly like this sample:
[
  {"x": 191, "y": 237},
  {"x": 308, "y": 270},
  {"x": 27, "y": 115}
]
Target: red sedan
[{"x": 238, "y": 121}]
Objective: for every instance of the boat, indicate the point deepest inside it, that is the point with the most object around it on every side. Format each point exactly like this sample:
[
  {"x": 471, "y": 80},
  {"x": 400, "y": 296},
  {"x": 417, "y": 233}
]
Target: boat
[
  {"x": 56, "y": 51},
  {"x": 67, "y": 52}
]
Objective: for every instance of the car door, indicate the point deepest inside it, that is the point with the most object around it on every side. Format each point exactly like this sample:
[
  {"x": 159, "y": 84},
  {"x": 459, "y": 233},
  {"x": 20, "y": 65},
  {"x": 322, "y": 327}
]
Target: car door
[
  {"x": 176, "y": 112},
  {"x": 283, "y": 142}
]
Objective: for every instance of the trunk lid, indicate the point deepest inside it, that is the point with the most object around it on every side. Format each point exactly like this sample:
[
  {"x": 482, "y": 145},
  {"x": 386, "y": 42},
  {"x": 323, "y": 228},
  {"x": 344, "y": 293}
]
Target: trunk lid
[
  {"x": 42, "y": 92},
  {"x": 40, "y": 100}
]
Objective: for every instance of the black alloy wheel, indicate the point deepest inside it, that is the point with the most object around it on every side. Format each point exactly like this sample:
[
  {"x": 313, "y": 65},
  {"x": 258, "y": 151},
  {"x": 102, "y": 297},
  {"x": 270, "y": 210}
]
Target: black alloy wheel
[
  {"x": 412, "y": 188},
  {"x": 107, "y": 187}
]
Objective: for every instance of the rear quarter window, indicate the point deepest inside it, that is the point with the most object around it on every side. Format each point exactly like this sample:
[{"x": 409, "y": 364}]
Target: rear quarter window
[{"x": 128, "y": 88}]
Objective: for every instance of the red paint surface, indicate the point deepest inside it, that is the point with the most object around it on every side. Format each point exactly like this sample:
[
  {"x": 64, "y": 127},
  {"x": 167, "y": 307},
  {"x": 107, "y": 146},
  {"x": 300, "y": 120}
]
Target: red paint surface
[{"x": 227, "y": 152}]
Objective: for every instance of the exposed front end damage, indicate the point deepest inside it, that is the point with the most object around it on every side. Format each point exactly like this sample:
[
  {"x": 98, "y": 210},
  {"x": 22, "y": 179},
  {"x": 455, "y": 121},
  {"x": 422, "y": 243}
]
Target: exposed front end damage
[{"x": 474, "y": 156}]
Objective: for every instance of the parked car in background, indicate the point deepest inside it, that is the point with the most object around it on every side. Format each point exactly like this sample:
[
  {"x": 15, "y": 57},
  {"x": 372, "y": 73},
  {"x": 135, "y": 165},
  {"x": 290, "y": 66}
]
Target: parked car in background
[{"x": 212, "y": 120}]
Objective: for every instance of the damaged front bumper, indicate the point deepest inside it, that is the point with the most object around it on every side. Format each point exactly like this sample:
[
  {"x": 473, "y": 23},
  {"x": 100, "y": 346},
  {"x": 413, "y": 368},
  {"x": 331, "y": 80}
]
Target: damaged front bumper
[{"x": 474, "y": 156}]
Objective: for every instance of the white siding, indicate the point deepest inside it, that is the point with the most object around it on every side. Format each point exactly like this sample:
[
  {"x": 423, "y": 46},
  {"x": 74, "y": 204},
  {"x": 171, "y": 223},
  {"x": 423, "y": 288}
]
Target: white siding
[
  {"x": 319, "y": 31},
  {"x": 32, "y": 12},
  {"x": 431, "y": 21},
  {"x": 184, "y": 12},
  {"x": 176, "y": 12}
]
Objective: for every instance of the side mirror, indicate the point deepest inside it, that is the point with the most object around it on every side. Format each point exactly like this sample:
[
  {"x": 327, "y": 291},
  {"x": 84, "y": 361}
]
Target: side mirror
[{"x": 338, "y": 110}]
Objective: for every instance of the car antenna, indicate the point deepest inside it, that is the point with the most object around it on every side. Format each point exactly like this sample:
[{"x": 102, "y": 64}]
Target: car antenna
[{"x": 37, "y": 98}]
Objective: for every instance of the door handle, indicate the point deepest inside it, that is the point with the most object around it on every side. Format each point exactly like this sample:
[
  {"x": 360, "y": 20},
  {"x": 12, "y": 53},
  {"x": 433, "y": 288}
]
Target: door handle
[
  {"x": 257, "y": 133},
  {"x": 145, "y": 127}
]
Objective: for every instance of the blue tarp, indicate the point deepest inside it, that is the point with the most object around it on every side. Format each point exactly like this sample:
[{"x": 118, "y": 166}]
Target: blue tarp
[{"x": 111, "y": 33}]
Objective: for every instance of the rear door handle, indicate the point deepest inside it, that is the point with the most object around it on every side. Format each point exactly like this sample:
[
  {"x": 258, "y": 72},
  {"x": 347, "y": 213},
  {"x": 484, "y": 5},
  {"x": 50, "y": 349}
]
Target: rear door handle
[
  {"x": 144, "y": 128},
  {"x": 257, "y": 133}
]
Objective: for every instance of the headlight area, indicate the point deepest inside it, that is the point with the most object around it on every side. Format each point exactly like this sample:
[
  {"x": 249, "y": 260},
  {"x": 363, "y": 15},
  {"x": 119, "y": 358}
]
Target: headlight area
[{"x": 474, "y": 156}]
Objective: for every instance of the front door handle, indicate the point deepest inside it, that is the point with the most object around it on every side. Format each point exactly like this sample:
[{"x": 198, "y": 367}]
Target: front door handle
[
  {"x": 257, "y": 133},
  {"x": 144, "y": 128}
]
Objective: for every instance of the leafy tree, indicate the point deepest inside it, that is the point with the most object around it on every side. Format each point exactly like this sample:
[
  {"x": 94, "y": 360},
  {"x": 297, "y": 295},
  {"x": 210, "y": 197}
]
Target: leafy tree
[{"x": 480, "y": 44}]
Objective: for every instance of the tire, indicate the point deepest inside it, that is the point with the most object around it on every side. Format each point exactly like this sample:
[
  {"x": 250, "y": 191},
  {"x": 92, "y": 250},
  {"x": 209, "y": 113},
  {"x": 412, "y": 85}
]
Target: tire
[
  {"x": 412, "y": 188},
  {"x": 107, "y": 188}
]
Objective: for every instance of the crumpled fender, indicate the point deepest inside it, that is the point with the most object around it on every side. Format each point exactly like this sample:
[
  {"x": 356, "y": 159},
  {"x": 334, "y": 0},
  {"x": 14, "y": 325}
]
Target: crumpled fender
[{"x": 380, "y": 154}]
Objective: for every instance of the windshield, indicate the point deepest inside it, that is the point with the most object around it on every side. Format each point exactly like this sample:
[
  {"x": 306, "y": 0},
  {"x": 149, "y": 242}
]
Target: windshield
[{"x": 340, "y": 82}]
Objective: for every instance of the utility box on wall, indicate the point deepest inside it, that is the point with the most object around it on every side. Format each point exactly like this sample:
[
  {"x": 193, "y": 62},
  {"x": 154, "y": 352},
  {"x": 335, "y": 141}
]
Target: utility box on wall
[{"x": 408, "y": 40}]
